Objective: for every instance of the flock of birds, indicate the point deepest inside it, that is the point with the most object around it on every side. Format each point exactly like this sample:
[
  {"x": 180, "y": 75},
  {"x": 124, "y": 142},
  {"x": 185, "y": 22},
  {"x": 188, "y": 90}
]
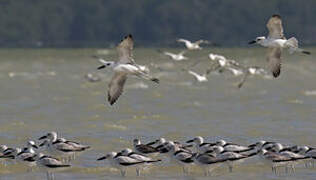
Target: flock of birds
[
  {"x": 275, "y": 42},
  {"x": 204, "y": 154},
  {"x": 207, "y": 155}
]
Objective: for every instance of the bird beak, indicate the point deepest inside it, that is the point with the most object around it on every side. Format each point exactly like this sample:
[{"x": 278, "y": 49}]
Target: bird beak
[
  {"x": 42, "y": 144},
  {"x": 101, "y": 158},
  {"x": 190, "y": 141},
  {"x": 43, "y": 137},
  {"x": 34, "y": 146},
  {"x": 101, "y": 67},
  {"x": 252, "y": 42}
]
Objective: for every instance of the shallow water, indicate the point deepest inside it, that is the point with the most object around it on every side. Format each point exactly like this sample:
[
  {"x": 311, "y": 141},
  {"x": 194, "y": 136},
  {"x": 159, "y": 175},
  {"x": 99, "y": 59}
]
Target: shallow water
[{"x": 45, "y": 90}]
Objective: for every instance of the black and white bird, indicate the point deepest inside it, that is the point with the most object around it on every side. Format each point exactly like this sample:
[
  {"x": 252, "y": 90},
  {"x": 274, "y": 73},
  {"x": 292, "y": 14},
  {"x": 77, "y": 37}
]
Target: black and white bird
[
  {"x": 208, "y": 162},
  {"x": 179, "y": 156},
  {"x": 202, "y": 146},
  {"x": 144, "y": 148},
  {"x": 50, "y": 164},
  {"x": 61, "y": 146},
  {"x": 276, "y": 41},
  {"x": 232, "y": 147},
  {"x": 162, "y": 145},
  {"x": 27, "y": 154},
  {"x": 231, "y": 158},
  {"x": 140, "y": 157},
  {"x": 274, "y": 160},
  {"x": 262, "y": 145},
  {"x": 122, "y": 68},
  {"x": 121, "y": 162}
]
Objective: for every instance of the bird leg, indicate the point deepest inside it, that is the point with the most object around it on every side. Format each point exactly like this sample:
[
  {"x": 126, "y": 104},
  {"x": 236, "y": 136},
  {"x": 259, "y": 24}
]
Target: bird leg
[
  {"x": 123, "y": 172},
  {"x": 137, "y": 171}
]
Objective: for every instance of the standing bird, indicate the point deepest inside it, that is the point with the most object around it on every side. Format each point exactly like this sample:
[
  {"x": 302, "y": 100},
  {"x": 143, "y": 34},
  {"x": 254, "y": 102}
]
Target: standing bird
[
  {"x": 49, "y": 163},
  {"x": 192, "y": 46},
  {"x": 276, "y": 42},
  {"x": 120, "y": 161},
  {"x": 144, "y": 148},
  {"x": 122, "y": 68},
  {"x": 129, "y": 153}
]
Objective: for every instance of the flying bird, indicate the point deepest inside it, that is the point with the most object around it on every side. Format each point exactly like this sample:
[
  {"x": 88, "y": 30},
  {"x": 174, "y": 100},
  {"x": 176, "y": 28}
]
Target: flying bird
[
  {"x": 177, "y": 57},
  {"x": 123, "y": 67},
  {"x": 276, "y": 41},
  {"x": 192, "y": 45}
]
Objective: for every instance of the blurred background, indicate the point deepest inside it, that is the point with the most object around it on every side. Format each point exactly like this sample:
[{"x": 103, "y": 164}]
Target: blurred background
[{"x": 102, "y": 23}]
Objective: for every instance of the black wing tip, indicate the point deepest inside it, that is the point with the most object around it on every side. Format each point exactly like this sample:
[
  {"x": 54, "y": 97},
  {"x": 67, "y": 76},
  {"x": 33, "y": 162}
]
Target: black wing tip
[
  {"x": 277, "y": 16},
  {"x": 58, "y": 166},
  {"x": 129, "y": 36},
  {"x": 156, "y": 80},
  {"x": 307, "y": 52},
  {"x": 276, "y": 74},
  {"x": 111, "y": 100}
]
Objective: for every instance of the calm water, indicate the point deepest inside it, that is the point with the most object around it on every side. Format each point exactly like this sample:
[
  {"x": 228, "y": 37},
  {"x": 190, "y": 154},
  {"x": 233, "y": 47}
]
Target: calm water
[{"x": 45, "y": 90}]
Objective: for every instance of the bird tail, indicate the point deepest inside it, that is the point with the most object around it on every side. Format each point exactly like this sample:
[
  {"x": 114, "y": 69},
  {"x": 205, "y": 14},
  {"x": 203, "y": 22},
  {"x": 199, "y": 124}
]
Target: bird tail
[{"x": 292, "y": 44}]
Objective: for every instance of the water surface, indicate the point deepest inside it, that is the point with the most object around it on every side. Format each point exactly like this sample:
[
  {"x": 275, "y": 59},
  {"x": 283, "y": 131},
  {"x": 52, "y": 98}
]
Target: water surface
[{"x": 45, "y": 90}]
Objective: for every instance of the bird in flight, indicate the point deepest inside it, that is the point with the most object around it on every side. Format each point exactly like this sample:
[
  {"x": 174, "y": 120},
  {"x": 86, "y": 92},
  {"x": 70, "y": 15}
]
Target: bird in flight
[
  {"x": 123, "y": 67},
  {"x": 193, "y": 45},
  {"x": 276, "y": 41}
]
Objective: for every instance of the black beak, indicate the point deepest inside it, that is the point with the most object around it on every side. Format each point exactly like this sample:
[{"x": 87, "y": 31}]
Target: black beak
[
  {"x": 43, "y": 137},
  {"x": 34, "y": 146},
  {"x": 42, "y": 144},
  {"x": 101, "y": 67},
  {"x": 101, "y": 158},
  {"x": 190, "y": 141},
  {"x": 252, "y": 42}
]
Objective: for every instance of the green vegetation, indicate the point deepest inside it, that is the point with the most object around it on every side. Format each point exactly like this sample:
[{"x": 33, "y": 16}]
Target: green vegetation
[{"x": 100, "y": 23}]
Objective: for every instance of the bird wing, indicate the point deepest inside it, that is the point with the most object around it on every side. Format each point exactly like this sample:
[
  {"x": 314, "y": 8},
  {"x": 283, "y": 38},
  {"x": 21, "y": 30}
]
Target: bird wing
[
  {"x": 201, "y": 41},
  {"x": 274, "y": 61},
  {"x": 182, "y": 52},
  {"x": 168, "y": 54},
  {"x": 146, "y": 149},
  {"x": 241, "y": 83},
  {"x": 196, "y": 75},
  {"x": 116, "y": 87},
  {"x": 183, "y": 156},
  {"x": 124, "y": 50},
  {"x": 183, "y": 40},
  {"x": 275, "y": 28}
]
